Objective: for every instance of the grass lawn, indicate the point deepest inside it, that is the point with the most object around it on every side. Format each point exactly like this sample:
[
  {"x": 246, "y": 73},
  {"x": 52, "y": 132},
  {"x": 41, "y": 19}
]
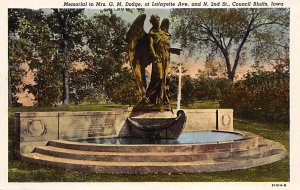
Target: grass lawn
[{"x": 275, "y": 172}]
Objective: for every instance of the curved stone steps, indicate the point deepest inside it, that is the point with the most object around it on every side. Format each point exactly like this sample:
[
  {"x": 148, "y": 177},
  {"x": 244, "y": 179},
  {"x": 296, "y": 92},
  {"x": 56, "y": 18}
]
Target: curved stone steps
[
  {"x": 153, "y": 159},
  {"x": 110, "y": 167},
  {"x": 149, "y": 156}
]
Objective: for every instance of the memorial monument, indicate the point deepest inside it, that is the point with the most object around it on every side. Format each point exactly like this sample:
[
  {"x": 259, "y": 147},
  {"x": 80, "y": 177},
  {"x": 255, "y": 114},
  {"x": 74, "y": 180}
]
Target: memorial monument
[
  {"x": 148, "y": 139},
  {"x": 153, "y": 116}
]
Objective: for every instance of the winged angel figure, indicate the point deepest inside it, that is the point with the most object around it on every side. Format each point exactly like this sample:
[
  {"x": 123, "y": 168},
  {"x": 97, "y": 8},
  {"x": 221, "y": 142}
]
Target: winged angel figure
[{"x": 151, "y": 48}]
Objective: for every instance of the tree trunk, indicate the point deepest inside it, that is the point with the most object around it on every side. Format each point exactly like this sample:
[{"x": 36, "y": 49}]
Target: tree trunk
[
  {"x": 66, "y": 87},
  {"x": 9, "y": 90},
  {"x": 231, "y": 76},
  {"x": 66, "y": 76},
  {"x": 63, "y": 18},
  {"x": 230, "y": 72}
]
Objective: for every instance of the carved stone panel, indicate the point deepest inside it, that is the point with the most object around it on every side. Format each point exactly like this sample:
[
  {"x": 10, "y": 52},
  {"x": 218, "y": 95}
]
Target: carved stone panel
[
  {"x": 225, "y": 119},
  {"x": 200, "y": 119},
  {"x": 39, "y": 126},
  {"x": 102, "y": 126},
  {"x": 86, "y": 124}
]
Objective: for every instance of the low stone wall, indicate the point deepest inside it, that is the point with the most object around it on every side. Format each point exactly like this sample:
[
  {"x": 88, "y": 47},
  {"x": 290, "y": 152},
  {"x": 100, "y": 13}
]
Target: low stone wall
[
  {"x": 37, "y": 128},
  {"x": 209, "y": 119}
]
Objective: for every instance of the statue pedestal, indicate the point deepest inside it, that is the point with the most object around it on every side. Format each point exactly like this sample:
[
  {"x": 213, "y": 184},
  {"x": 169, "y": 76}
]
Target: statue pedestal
[
  {"x": 156, "y": 124},
  {"x": 142, "y": 108}
]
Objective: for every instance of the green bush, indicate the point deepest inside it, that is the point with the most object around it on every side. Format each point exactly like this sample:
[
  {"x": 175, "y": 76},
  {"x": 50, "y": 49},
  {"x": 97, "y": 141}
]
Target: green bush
[
  {"x": 210, "y": 88},
  {"x": 263, "y": 95}
]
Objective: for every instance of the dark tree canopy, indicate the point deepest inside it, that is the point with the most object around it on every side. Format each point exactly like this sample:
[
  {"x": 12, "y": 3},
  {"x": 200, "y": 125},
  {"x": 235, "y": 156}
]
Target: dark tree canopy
[
  {"x": 51, "y": 41},
  {"x": 107, "y": 51},
  {"x": 26, "y": 34},
  {"x": 67, "y": 25}
]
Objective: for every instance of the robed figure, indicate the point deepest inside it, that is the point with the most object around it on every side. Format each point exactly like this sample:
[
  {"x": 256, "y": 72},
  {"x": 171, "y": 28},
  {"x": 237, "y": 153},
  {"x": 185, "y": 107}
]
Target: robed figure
[{"x": 151, "y": 48}]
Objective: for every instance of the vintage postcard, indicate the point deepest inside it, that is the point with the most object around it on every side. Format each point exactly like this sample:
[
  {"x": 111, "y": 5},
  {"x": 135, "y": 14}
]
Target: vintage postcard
[{"x": 150, "y": 94}]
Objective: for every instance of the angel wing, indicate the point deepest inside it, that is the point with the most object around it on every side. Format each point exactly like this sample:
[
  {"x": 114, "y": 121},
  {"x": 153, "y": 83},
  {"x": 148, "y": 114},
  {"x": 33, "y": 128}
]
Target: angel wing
[
  {"x": 138, "y": 42},
  {"x": 165, "y": 23},
  {"x": 136, "y": 30}
]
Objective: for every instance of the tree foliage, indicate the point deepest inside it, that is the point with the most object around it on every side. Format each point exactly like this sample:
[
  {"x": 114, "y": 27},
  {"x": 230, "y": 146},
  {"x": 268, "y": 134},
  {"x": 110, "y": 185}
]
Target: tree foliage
[
  {"x": 48, "y": 41},
  {"x": 107, "y": 54},
  {"x": 22, "y": 44},
  {"x": 263, "y": 95},
  {"x": 188, "y": 90},
  {"x": 67, "y": 26},
  {"x": 51, "y": 41},
  {"x": 210, "y": 88},
  {"x": 231, "y": 33}
]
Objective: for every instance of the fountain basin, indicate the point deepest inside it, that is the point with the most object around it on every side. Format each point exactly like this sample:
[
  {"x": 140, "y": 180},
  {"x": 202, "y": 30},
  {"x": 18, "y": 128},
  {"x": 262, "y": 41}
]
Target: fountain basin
[{"x": 184, "y": 138}]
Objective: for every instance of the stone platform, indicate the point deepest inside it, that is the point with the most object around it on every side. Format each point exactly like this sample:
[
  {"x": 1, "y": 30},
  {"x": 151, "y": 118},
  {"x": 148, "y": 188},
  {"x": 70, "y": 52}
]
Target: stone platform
[
  {"x": 35, "y": 129},
  {"x": 248, "y": 152}
]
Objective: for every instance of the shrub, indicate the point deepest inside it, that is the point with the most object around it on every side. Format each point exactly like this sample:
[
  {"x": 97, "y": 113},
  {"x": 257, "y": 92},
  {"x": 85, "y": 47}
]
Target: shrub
[
  {"x": 262, "y": 95},
  {"x": 210, "y": 88}
]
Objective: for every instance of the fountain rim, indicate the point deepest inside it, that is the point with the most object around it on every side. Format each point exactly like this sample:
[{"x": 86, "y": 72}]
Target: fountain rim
[{"x": 246, "y": 136}]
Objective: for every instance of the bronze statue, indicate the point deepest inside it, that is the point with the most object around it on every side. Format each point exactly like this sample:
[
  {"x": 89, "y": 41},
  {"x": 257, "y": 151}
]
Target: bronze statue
[
  {"x": 152, "y": 117},
  {"x": 151, "y": 48}
]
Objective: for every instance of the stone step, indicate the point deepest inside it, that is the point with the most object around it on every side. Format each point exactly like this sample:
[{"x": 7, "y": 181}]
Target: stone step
[
  {"x": 149, "y": 156},
  {"x": 243, "y": 144},
  {"x": 111, "y": 167}
]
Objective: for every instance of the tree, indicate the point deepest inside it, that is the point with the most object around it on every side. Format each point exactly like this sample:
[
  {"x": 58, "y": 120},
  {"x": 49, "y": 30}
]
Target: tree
[
  {"x": 80, "y": 87},
  {"x": 52, "y": 41},
  {"x": 188, "y": 90},
  {"x": 231, "y": 33},
  {"x": 67, "y": 26},
  {"x": 281, "y": 59},
  {"x": 212, "y": 68},
  {"x": 43, "y": 60},
  {"x": 210, "y": 88},
  {"x": 123, "y": 88},
  {"x": 21, "y": 48},
  {"x": 107, "y": 53},
  {"x": 14, "y": 59},
  {"x": 48, "y": 42},
  {"x": 263, "y": 95}
]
